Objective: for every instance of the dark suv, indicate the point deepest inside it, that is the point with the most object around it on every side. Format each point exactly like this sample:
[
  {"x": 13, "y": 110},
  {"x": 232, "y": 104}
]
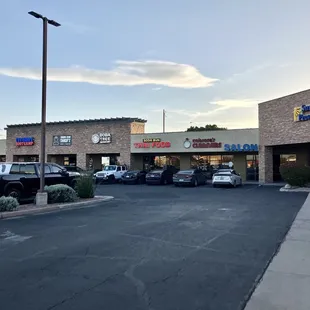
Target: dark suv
[
  {"x": 22, "y": 179},
  {"x": 161, "y": 176}
]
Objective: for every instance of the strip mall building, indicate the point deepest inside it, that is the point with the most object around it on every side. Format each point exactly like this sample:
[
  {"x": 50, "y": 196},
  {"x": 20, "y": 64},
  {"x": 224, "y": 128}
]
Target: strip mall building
[{"x": 255, "y": 153}]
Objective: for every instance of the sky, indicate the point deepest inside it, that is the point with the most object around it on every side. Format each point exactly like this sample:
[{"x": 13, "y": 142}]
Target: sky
[{"x": 203, "y": 61}]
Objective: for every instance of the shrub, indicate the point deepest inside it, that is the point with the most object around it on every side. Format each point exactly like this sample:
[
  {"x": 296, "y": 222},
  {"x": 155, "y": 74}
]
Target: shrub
[
  {"x": 295, "y": 175},
  {"x": 8, "y": 203},
  {"x": 85, "y": 186},
  {"x": 60, "y": 193}
]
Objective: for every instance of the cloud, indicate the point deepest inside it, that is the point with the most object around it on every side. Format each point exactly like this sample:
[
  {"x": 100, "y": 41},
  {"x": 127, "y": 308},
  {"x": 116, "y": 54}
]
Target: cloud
[
  {"x": 126, "y": 73},
  {"x": 78, "y": 28},
  {"x": 219, "y": 106}
]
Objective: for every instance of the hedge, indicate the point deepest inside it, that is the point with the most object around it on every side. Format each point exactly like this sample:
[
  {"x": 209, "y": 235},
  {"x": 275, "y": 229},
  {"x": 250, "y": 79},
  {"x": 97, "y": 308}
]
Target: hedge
[
  {"x": 85, "y": 186},
  {"x": 294, "y": 174},
  {"x": 60, "y": 193},
  {"x": 8, "y": 203}
]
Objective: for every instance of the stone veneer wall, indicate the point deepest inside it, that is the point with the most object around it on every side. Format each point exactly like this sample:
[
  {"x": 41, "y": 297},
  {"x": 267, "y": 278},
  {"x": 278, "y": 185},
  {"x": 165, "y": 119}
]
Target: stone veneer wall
[
  {"x": 81, "y": 140},
  {"x": 277, "y": 127}
]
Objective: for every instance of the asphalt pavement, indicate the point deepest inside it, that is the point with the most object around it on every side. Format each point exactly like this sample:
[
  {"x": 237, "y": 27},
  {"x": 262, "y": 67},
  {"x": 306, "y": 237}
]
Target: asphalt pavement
[{"x": 152, "y": 247}]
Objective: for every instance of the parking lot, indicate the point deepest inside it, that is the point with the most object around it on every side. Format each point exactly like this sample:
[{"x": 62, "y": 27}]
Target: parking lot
[{"x": 152, "y": 247}]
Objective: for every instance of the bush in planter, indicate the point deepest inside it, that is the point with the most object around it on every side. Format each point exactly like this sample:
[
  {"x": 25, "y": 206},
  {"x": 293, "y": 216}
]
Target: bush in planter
[
  {"x": 85, "y": 186},
  {"x": 8, "y": 203},
  {"x": 294, "y": 174},
  {"x": 60, "y": 193}
]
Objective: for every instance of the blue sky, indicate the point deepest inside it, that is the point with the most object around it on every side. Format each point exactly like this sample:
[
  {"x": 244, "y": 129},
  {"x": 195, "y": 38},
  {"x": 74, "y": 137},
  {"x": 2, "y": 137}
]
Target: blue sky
[{"x": 204, "y": 61}]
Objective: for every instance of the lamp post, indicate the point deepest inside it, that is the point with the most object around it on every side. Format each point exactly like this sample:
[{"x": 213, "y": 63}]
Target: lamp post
[{"x": 46, "y": 21}]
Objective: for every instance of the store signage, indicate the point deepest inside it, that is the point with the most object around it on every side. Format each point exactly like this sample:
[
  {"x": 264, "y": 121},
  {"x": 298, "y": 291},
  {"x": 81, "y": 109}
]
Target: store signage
[
  {"x": 102, "y": 137},
  {"x": 146, "y": 145},
  {"x": 25, "y": 141},
  {"x": 62, "y": 140},
  {"x": 148, "y": 140},
  {"x": 209, "y": 143},
  {"x": 241, "y": 147},
  {"x": 300, "y": 113}
]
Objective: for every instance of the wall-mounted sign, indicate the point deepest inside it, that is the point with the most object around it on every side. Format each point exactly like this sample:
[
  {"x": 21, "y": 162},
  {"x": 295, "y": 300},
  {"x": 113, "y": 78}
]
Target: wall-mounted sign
[
  {"x": 241, "y": 147},
  {"x": 62, "y": 140},
  {"x": 102, "y": 137},
  {"x": 300, "y": 113},
  {"x": 25, "y": 141},
  {"x": 148, "y": 140},
  {"x": 145, "y": 145},
  {"x": 206, "y": 143}
]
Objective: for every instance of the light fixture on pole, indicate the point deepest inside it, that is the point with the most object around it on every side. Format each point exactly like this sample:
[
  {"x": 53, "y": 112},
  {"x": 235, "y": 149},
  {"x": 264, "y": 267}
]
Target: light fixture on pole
[{"x": 46, "y": 21}]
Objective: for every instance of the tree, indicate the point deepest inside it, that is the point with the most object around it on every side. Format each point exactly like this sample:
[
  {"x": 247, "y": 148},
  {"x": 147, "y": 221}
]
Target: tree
[{"x": 208, "y": 127}]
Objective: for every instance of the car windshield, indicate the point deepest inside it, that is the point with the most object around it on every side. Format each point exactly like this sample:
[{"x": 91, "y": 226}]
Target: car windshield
[
  {"x": 109, "y": 168},
  {"x": 223, "y": 173},
  {"x": 186, "y": 172}
]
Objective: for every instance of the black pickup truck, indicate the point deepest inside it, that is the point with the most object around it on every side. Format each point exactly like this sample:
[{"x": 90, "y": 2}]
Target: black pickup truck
[{"x": 22, "y": 179}]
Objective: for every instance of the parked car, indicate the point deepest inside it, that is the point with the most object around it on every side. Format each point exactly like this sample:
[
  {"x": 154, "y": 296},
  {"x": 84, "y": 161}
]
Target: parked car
[
  {"x": 193, "y": 177},
  {"x": 226, "y": 177},
  {"x": 22, "y": 179},
  {"x": 161, "y": 176},
  {"x": 74, "y": 170},
  {"x": 134, "y": 177},
  {"x": 110, "y": 174}
]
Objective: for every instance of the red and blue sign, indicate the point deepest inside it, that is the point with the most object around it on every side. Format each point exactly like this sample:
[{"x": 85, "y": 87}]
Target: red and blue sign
[
  {"x": 25, "y": 141},
  {"x": 241, "y": 147}
]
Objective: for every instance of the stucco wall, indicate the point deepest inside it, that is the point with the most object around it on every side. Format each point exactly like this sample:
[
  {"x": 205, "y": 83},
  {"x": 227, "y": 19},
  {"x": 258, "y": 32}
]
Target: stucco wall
[
  {"x": 2, "y": 147},
  {"x": 236, "y": 136}
]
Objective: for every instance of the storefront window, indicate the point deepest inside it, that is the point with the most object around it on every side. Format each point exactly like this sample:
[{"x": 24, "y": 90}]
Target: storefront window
[
  {"x": 285, "y": 158},
  {"x": 214, "y": 161},
  {"x": 161, "y": 161}
]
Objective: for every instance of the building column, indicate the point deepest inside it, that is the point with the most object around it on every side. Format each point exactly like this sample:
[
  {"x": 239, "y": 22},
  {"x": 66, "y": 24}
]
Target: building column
[
  {"x": 125, "y": 159},
  {"x": 185, "y": 161},
  {"x": 239, "y": 162},
  {"x": 266, "y": 164},
  {"x": 81, "y": 160}
]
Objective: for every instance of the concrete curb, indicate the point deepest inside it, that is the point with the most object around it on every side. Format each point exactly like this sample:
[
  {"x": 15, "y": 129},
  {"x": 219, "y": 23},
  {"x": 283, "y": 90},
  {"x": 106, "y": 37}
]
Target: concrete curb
[
  {"x": 55, "y": 207},
  {"x": 295, "y": 190}
]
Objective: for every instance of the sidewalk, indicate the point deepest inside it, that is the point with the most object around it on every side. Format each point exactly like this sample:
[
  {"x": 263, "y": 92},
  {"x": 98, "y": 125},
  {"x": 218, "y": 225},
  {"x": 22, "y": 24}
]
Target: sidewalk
[
  {"x": 286, "y": 282},
  {"x": 33, "y": 209}
]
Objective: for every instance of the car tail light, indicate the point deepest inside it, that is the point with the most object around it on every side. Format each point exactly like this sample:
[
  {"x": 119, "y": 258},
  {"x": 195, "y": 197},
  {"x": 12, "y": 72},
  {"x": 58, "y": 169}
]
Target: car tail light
[{"x": 188, "y": 176}]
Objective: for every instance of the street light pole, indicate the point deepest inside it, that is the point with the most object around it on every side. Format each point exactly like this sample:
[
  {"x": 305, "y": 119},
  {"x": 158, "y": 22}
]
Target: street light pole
[{"x": 46, "y": 21}]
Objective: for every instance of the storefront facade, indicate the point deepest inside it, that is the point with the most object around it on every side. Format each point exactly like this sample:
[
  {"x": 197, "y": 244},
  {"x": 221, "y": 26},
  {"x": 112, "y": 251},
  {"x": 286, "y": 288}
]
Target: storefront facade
[
  {"x": 87, "y": 144},
  {"x": 2, "y": 150},
  {"x": 186, "y": 150},
  {"x": 284, "y": 124}
]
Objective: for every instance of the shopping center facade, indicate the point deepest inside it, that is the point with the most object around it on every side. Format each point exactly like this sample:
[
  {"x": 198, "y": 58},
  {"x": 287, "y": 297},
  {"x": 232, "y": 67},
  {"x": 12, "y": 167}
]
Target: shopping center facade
[{"x": 255, "y": 153}]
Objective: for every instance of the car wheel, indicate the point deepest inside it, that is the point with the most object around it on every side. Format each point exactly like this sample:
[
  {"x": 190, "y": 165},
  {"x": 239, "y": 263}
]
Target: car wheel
[
  {"x": 241, "y": 182},
  {"x": 165, "y": 182},
  {"x": 214, "y": 185},
  {"x": 14, "y": 192},
  {"x": 176, "y": 184},
  {"x": 195, "y": 183},
  {"x": 235, "y": 184},
  {"x": 111, "y": 179}
]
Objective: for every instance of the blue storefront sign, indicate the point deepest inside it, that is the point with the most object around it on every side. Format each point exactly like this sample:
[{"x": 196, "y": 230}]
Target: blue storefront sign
[{"x": 241, "y": 147}]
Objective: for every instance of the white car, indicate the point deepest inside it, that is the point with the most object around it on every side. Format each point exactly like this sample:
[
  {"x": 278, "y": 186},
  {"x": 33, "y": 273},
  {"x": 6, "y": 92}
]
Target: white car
[
  {"x": 226, "y": 177},
  {"x": 110, "y": 173}
]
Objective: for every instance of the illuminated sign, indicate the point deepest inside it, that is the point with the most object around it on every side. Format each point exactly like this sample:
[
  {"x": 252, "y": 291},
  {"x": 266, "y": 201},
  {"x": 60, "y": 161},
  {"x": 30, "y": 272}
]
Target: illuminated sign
[
  {"x": 148, "y": 140},
  {"x": 26, "y": 141},
  {"x": 146, "y": 145},
  {"x": 209, "y": 143},
  {"x": 241, "y": 147},
  {"x": 299, "y": 113}
]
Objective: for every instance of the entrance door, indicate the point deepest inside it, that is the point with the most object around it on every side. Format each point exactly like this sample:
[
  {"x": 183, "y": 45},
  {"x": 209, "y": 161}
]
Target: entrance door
[
  {"x": 252, "y": 167},
  {"x": 278, "y": 160}
]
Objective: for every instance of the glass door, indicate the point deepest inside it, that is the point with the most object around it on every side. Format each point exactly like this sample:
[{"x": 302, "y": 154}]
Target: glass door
[{"x": 252, "y": 168}]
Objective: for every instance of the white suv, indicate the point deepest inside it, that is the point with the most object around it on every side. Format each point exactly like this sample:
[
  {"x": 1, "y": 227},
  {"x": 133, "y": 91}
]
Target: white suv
[{"x": 110, "y": 173}]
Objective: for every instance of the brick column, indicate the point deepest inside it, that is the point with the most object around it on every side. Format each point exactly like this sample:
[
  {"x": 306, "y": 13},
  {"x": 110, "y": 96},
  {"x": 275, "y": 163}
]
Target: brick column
[
  {"x": 81, "y": 160},
  {"x": 265, "y": 164}
]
